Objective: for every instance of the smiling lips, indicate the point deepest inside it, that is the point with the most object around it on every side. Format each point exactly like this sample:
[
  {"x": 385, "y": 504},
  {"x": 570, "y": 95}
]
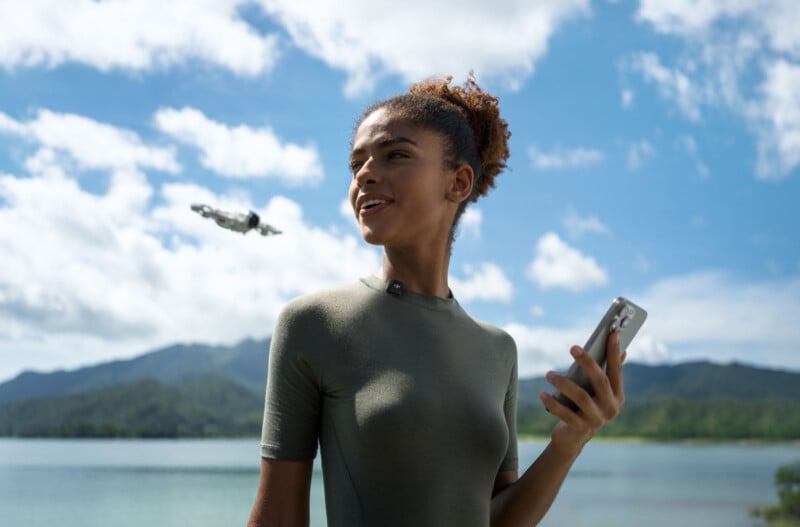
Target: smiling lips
[{"x": 368, "y": 205}]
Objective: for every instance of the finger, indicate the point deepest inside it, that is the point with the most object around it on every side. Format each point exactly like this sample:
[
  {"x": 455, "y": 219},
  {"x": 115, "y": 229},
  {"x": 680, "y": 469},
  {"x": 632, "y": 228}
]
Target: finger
[
  {"x": 614, "y": 364},
  {"x": 595, "y": 374},
  {"x": 574, "y": 392},
  {"x": 555, "y": 407}
]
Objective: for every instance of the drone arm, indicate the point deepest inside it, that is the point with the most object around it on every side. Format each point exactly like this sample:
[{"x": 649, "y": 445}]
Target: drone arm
[{"x": 267, "y": 229}]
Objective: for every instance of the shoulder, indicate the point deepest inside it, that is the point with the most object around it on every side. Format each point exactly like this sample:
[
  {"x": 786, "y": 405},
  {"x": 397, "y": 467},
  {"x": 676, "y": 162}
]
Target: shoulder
[
  {"x": 309, "y": 326},
  {"x": 322, "y": 308},
  {"x": 313, "y": 328},
  {"x": 500, "y": 338},
  {"x": 492, "y": 331},
  {"x": 495, "y": 347}
]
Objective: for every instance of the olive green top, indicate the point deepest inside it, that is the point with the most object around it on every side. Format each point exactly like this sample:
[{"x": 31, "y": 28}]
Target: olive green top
[{"x": 413, "y": 403}]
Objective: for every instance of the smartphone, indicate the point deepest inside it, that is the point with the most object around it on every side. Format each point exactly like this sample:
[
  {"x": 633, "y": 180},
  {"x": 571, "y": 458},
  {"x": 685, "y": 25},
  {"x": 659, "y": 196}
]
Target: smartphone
[{"x": 623, "y": 316}]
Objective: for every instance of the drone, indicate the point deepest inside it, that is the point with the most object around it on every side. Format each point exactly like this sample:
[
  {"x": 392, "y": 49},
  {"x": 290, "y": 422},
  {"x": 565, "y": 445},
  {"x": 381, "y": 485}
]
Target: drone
[{"x": 235, "y": 221}]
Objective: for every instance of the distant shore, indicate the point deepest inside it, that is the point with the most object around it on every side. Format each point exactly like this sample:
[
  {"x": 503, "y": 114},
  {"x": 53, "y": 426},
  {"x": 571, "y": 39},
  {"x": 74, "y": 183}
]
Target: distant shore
[
  {"x": 528, "y": 438},
  {"x": 692, "y": 441}
]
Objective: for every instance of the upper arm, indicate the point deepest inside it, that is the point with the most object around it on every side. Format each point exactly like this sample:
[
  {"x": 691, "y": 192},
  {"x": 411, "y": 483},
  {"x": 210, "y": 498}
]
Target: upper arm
[
  {"x": 503, "y": 479},
  {"x": 294, "y": 393},
  {"x": 282, "y": 499},
  {"x": 510, "y": 462}
]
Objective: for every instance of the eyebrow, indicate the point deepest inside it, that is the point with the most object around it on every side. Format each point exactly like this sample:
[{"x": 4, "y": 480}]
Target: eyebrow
[{"x": 387, "y": 142}]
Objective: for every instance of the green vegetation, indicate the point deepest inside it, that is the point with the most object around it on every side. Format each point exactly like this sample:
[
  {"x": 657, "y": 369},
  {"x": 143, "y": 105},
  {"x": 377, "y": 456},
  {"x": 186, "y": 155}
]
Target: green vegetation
[
  {"x": 216, "y": 407},
  {"x": 197, "y": 407},
  {"x": 205, "y": 391},
  {"x": 787, "y": 512},
  {"x": 687, "y": 420}
]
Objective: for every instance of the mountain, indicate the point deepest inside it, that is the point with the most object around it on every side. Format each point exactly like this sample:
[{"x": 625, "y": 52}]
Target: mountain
[
  {"x": 198, "y": 390},
  {"x": 693, "y": 400},
  {"x": 244, "y": 363},
  {"x": 698, "y": 381},
  {"x": 203, "y": 406}
]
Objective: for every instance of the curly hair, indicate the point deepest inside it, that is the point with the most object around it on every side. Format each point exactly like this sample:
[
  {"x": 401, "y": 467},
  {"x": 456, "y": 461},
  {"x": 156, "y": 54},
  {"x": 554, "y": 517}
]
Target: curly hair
[{"x": 467, "y": 118}]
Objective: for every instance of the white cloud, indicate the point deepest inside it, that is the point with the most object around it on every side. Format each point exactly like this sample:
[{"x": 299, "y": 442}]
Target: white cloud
[
  {"x": 779, "y": 145},
  {"x": 627, "y": 98},
  {"x": 710, "y": 314},
  {"x": 11, "y": 126},
  {"x": 691, "y": 17},
  {"x": 91, "y": 144},
  {"x": 577, "y": 225},
  {"x": 699, "y": 316},
  {"x": 557, "y": 265},
  {"x": 673, "y": 84},
  {"x": 470, "y": 224},
  {"x": 485, "y": 282},
  {"x": 638, "y": 152},
  {"x": 346, "y": 209},
  {"x": 138, "y": 36},
  {"x": 241, "y": 151},
  {"x": 729, "y": 43},
  {"x": 100, "y": 276},
  {"x": 502, "y": 39},
  {"x": 773, "y": 21},
  {"x": 688, "y": 143},
  {"x": 564, "y": 158},
  {"x": 541, "y": 348}
]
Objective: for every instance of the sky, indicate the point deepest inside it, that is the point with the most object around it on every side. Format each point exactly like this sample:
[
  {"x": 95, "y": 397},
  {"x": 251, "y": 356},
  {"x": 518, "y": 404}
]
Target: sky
[{"x": 655, "y": 154}]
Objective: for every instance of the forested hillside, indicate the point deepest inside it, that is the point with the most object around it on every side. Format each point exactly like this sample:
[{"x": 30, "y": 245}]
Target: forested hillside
[{"x": 205, "y": 391}]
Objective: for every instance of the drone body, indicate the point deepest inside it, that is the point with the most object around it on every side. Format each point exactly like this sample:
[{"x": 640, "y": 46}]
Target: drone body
[{"x": 235, "y": 221}]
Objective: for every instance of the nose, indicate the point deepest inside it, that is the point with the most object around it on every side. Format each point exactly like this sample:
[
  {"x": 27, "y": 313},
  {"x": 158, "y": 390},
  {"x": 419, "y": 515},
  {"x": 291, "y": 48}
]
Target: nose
[{"x": 366, "y": 174}]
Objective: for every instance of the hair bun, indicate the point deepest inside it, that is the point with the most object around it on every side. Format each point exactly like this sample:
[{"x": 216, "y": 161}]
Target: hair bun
[{"x": 482, "y": 112}]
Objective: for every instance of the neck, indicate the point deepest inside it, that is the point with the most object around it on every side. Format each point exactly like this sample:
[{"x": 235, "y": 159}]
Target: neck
[{"x": 420, "y": 270}]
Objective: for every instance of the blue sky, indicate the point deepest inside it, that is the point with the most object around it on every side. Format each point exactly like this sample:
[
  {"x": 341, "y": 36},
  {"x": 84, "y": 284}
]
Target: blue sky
[{"x": 655, "y": 154}]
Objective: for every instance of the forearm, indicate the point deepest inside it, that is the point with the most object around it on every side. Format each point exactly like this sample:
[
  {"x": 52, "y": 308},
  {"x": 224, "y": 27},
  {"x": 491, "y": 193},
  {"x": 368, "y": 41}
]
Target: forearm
[
  {"x": 282, "y": 499},
  {"x": 525, "y": 502}
]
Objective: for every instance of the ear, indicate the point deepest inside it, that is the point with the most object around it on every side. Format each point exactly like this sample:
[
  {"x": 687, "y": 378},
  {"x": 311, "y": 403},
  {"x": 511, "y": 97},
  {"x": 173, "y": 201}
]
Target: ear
[{"x": 460, "y": 186}]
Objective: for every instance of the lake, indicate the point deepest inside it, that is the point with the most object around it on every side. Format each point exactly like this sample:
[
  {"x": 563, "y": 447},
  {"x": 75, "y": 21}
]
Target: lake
[{"x": 87, "y": 483}]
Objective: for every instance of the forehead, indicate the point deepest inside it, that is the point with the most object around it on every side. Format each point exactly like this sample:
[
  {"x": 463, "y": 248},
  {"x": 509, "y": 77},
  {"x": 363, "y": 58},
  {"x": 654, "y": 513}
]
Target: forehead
[{"x": 383, "y": 127}]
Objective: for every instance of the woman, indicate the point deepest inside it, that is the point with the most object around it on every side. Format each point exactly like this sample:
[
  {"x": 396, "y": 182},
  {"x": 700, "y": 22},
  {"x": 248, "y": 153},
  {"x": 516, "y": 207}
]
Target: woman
[{"x": 412, "y": 401}]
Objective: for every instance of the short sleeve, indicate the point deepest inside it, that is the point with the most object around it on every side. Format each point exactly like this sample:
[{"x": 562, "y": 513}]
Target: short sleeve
[
  {"x": 292, "y": 404},
  {"x": 511, "y": 461}
]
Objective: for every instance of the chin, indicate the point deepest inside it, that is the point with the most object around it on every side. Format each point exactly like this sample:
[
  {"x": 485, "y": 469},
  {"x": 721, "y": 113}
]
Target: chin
[
  {"x": 378, "y": 237},
  {"x": 372, "y": 238}
]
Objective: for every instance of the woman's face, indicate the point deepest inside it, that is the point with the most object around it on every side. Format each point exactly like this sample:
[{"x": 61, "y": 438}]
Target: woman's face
[{"x": 400, "y": 186}]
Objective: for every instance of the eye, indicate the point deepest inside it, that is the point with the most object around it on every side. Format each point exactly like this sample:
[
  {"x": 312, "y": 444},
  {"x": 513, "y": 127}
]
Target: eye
[
  {"x": 355, "y": 166},
  {"x": 396, "y": 154}
]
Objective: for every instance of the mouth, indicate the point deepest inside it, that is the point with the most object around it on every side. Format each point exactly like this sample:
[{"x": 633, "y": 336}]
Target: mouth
[{"x": 372, "y": 204}]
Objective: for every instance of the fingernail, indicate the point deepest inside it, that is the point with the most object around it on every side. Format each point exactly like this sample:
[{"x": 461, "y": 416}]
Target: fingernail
[
  {"x": 551, "y": 375},
  {"x": 543, "y": 396},
  {"x": 576, "y": 352}
]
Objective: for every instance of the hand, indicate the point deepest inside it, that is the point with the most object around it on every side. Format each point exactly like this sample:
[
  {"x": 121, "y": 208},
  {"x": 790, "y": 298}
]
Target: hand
[{"x": 576, "y": 428}]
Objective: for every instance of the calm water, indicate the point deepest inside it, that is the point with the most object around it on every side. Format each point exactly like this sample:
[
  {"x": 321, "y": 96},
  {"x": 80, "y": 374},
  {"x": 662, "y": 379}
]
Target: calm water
[{"x": 80, "y": 483}]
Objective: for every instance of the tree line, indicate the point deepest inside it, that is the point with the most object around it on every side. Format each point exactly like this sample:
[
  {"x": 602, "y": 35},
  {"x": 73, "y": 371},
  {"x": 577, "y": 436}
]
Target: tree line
[{"x": 219, "y": 407}]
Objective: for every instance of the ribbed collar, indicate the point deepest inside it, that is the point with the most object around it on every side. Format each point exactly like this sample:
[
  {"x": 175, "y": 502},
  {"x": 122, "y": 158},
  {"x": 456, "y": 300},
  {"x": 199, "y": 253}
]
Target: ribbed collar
[{"x": 427, "y": 301}]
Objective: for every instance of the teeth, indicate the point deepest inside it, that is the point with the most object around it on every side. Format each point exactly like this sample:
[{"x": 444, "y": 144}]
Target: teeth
[{"x": 371, "y": 203}]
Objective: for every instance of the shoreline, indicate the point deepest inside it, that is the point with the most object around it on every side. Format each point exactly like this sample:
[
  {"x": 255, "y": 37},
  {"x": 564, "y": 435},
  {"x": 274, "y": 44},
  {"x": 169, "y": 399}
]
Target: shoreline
[
  {"x": 685, "y": 441},
  {"x": 526, "y": 438}
]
